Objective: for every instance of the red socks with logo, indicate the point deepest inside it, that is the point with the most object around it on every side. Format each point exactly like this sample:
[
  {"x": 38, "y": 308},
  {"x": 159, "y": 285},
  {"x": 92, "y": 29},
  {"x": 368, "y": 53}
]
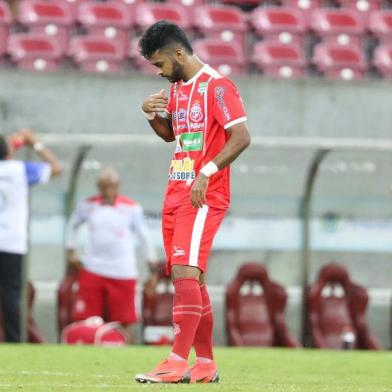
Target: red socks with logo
[
  {"x": 203, "y": 337},
  {"x": 187, "y": 309}
]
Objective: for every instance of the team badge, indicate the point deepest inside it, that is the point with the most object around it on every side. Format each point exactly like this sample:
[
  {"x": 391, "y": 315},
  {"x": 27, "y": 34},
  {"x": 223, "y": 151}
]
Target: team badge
[{"x": 196, "y": 113}]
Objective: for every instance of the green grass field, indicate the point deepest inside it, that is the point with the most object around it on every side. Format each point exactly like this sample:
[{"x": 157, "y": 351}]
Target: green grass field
[{"x": 86, "y": 368}]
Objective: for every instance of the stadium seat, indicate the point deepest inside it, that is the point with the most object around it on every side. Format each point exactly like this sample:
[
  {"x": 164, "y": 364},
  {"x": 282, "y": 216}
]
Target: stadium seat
[
  {"x": 336, "y": 304},
  {"x": 35, "y": 52},
  {"x": 5, "y": 21},
  {"x": 96, "y": 54},
  {"x": 305, "y": 6},
  {"x": 140, "y": 62},
  {"x": 225, "y": 22},
  {"x": 277, "y": 60},
  {"x": 380, "y": 24},
  {"x": 51, "y": 18},
  {"x": 66, "y": 299},
  {"x": 157, "y": 309},
  {"x": 339, "y": 62},
  {"x": 33, "y": 333},
  {"x": 255, "y": 310},
  {"x": 149, "y": 13},
  {"x": 73, "y": 5},
  {"x": 343, "y": 26},
  {"x": 282, "y": 23},
  {"x": 382, "y": 60},
  {"x": 111, "y": 20},
  {"x": 226, "y": 57}
]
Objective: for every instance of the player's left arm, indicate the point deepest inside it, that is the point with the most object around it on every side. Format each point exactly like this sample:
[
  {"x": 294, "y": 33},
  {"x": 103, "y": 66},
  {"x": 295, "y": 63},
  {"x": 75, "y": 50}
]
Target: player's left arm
[{"x": 239, "y": 140}]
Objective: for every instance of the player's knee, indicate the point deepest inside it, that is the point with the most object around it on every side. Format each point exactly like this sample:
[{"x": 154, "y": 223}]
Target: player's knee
[{"x": 185, "y": 272}]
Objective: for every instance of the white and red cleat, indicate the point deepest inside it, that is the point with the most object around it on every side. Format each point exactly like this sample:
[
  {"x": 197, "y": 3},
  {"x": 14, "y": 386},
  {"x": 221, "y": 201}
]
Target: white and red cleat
[
  {"x": 203, "y": 372},
  {"x": 167, "y": 372}
]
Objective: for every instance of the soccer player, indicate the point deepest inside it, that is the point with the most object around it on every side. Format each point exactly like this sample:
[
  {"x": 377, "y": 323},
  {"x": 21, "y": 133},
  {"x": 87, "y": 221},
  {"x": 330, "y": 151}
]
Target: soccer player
[
  {"x": 107, "y": 276},
  {"x": 205, "y": 117}
]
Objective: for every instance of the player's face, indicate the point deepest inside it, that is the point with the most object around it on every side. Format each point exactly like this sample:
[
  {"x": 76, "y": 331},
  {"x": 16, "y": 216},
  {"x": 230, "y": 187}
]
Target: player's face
[
  {"x": 108, "y": 190},
  {"x": 169, "y": 65}
]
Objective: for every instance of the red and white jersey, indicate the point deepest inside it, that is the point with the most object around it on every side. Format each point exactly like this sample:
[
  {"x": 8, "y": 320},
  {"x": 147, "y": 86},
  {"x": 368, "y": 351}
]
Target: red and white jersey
[
  {"x": 201, "y": 110},
  {"x": 113, "y": 233}
]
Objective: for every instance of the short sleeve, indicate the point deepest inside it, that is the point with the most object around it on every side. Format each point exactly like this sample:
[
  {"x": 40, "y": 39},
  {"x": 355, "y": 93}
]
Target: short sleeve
[
  {"x": 228, "y": 108},
  {"x": 37, "y": 172}
]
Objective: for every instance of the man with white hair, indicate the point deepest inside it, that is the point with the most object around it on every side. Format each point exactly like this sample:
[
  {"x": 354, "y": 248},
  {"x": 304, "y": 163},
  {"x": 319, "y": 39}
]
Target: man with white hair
[{"x": 108, "y": 271}]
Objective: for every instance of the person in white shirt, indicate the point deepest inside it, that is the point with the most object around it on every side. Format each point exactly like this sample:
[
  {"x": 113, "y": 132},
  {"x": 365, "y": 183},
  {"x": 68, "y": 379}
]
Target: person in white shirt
[
  {"x": 108, "y": 271},
  {"x": 15, "y": 179}
]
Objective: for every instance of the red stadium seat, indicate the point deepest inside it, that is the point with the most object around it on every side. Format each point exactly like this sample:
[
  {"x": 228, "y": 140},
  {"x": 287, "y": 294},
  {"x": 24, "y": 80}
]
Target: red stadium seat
[
  {"x": 343, "y": 26},
  {"x": 382, "y": 60},
  {"x": 35, "y": 52},
  {"x": 228, "y": 58},
  {"x": 66, "y": 300},
  {"x": 140, "y": 62},
  {"x": 305, "y": 6},
  {"x": 157, "y": 309},
  {"x": 277, "y": 60},
  {"x": 336, "y": 304},
  {"x": 380, "y": 24},
  {"x": 339, "y": 62},
  {"x": 148, "y": 13},
  {"x": 111, "y": 20},
  {"x": 51, "y": 18},
  {"x": 227, "y": 23},
  {"x": 73, "y": 5},
  {"x": 282, "y": 23},
  {"x": 33, "y": 333},
  {"x": 96, "y": 54},
  {"x": 5, "y": 21},
  {"x": 255, "y": 308}
]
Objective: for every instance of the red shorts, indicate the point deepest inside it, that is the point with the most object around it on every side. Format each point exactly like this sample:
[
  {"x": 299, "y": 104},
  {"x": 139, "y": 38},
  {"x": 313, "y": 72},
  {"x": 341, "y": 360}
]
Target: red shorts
[
  {"x": 112, "y": 299},
  {"x": 188, "y": 234}
]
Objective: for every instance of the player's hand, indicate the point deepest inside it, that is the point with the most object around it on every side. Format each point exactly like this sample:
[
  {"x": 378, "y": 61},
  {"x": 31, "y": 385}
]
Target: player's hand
[
  {"x": 29, "y": 136},
  {"x": 155, "y": 103},
  {"x": 198, "y": 191},
  {"x": 74, "y": 261}
]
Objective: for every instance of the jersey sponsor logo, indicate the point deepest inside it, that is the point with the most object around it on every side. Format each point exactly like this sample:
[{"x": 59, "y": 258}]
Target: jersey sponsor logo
[
  {"x": 196, "y": 113},
  {"x": 219, "y": 93},
  {"x": 202, "y": 87},
  {"x": 192, "y": 141},
  {"x": 178, "y": 144},
  {"x": 196, "y": 126},
  {"x": 182, "y": 170},
  {"x": 178, "y": 252},
  {"x": 182, "y": 96}
]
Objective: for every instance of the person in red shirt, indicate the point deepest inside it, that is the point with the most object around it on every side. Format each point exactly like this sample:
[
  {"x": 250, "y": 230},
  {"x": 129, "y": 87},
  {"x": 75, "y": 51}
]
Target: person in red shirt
[{"x": 205, "y": 117}]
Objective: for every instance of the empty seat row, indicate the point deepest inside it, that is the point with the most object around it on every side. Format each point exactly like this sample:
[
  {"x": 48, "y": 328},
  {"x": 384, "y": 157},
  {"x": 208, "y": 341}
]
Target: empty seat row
[{"x": 92, "y": 53}]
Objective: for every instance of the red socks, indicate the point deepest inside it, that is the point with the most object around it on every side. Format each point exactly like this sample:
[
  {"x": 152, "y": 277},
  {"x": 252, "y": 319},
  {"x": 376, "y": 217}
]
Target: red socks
[
  {"x": 187, "y": 308},
  {"x": 203, "y": 337}
]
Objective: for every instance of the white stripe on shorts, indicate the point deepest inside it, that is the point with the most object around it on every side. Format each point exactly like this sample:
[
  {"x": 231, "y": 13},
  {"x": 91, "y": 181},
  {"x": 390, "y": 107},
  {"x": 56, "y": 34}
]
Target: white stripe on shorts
[{"x": 197, "y": 232}]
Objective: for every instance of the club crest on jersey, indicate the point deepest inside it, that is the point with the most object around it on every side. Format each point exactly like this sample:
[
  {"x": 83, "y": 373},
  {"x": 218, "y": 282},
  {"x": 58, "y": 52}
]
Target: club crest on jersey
[
  {"x": 182, "y": 170},
  {"x": 202, "y": 87},
  {"x": 196, "y": 114}
]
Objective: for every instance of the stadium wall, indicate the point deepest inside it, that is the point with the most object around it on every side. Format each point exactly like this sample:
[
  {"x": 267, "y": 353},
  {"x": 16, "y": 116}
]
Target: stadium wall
[{"x": 72, "y": 102}]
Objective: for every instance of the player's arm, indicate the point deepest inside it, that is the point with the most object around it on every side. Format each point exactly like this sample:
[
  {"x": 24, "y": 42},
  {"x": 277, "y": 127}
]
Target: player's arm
[
  {"x": 77, "y": 219},
  {"x": 152, "y": 107},
  {"x": 239, "y": 140}
]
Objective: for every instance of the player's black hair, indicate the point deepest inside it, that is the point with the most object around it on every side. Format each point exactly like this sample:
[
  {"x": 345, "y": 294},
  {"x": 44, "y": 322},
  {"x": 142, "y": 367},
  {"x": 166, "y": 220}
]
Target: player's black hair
[
  {"x": 3, "y": 148},
  {"x": 160, "y": 35}
]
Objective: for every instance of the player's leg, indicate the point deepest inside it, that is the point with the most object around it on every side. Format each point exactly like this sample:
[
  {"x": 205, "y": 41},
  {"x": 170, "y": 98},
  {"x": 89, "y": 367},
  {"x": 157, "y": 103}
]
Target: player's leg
[
  {"x": 89, "y": 299},
  {"x": 205, "y": 369},
  {"x": 187, "y": 298},
  {"x": 11, "y": 286},
  {"x": 120, "y": 300}
]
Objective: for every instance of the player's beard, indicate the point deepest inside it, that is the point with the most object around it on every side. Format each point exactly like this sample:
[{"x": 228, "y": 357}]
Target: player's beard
[{"x": 177, "y": 73}]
